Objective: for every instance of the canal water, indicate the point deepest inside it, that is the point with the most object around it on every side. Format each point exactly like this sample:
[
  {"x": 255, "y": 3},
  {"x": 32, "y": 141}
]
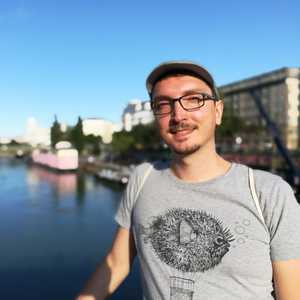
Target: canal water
[{"x": 54, "y": 229}]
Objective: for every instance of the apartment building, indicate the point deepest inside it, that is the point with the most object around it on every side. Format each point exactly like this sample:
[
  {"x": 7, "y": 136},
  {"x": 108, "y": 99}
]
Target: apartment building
[
  {"x": 279, "y": 94},
  {"x": 100, "y": 127},
  {"x": 137, "y": 112}
]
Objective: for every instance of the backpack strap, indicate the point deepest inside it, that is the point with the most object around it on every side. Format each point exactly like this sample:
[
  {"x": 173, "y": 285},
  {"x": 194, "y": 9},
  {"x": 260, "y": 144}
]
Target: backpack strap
[
  {"x": 143, "y": 180},
  {"x": 254, "y": 194}
]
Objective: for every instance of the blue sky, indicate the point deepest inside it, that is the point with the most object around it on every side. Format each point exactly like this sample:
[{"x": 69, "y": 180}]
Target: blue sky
[{"x": 90, "y": 57}]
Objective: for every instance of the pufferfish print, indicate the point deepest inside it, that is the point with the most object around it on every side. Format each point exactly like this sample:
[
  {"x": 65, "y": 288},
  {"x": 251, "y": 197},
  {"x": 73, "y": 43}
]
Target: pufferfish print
[{"x": 188, "y": 240}]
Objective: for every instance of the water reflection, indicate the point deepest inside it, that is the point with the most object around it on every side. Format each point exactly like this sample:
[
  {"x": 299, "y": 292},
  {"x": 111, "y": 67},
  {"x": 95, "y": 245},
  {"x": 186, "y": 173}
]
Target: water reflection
[
  {"x": 54, "y": 229},
  {"x": 10, "y": 162},
  {"x": 68, "y": 191},
  {"x": 62, "y": 183}
]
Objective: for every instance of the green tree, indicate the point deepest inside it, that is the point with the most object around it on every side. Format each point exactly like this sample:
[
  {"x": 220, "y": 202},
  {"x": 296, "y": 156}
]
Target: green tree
[
  {"x": 146, "y": 137},
  {"x": 122, "y": 142},
  {"x": 231, "y": 124},
  {"x": 77, "y": 137},
  {"x": 92, "y": 144},
  {"x": 55, "y": 133},
  {"x": 141, "y": 143},
  {"x": 14, "y": 143}
]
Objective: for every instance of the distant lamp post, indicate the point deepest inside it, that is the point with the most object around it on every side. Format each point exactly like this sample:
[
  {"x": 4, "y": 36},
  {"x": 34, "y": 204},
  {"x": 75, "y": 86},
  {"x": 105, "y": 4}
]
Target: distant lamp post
[{"x": 238, "y": 142}]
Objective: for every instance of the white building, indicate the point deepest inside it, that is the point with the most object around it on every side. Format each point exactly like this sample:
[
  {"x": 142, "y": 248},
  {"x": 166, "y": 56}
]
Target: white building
[
  {"x": 4, "y": 140},
  {"x": 137, "y": 112},
  {"x": 35, "y": 135},
  {"x": 100, "y": 127}
]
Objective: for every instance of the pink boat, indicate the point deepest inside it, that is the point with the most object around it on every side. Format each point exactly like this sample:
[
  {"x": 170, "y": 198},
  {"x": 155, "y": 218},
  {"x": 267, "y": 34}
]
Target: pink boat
[{"x": 62, "y": 159}]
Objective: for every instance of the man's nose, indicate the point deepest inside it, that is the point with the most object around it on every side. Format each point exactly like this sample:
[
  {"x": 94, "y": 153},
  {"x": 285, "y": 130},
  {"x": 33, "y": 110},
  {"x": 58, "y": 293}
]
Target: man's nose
[{"x": 178, "y": 113}]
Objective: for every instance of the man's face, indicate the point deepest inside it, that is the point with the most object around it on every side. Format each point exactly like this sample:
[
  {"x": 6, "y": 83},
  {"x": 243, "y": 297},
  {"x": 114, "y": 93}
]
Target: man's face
[{"x": 183, "y": 131}]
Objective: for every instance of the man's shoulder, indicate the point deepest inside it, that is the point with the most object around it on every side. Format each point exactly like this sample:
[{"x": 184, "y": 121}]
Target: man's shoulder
[
  {"x": 157, "y": 165},
  {"x": 270, "y": 183},
  {"x": 266, "y": 176},
  {"x": 146, "y": 167},
  {"x": 264, "y": 180},
  {"x": 142, "y": 167}
]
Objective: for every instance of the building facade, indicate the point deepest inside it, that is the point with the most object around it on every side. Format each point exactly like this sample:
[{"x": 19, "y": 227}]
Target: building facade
[
  {"x": 100, "y": 127},
  {"x": 279, "y": 94},
  {"x": 137, "y": 112},
  {"x": 35, "y": 135}
]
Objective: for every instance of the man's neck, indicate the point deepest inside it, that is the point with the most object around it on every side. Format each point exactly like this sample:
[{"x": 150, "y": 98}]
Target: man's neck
[{"x": 199, "y": 166}]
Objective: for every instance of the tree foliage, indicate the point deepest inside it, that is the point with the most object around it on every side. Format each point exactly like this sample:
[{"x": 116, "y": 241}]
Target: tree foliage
[
  {"x": 77, "y": 136},
  {"x": 141, "y": 137},
  {"x": 90, "y": 144},
  {"x": 122, "y": 142},
  {"x": 55, "y": 133},
  {"x": 141, "y": 143},
  {"x": 233, "y": 125}
]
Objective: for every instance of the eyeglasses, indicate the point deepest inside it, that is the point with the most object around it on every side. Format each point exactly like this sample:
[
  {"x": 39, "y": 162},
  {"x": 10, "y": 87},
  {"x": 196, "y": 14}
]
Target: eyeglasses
[{"x": 164, "y": 106}]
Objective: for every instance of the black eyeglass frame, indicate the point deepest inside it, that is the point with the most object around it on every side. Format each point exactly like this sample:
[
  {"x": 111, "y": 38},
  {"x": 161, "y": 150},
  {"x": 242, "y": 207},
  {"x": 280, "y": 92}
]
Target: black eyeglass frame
[{"x": 172, "y": 102}]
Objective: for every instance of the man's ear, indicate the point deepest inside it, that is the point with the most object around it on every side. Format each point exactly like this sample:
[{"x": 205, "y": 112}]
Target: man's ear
[{"x": 219, "y": 111}]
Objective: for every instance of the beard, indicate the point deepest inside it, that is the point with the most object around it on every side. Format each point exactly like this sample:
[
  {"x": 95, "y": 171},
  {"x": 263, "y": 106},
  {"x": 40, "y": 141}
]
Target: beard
[
  {"x": 183, "y": 150},
  {"x": 187, "y": 150}
]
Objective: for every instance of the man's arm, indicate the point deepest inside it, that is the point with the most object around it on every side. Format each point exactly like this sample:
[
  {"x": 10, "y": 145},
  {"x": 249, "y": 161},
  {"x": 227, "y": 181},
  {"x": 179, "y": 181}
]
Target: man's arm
[
  {"x": 113, "y": 270},
  {"x": 287, "y": 279}
]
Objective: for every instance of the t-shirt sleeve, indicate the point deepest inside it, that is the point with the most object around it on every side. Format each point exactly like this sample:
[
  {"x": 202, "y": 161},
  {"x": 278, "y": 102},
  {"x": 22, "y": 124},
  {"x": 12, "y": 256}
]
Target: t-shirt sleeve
[
  {"x": 283, "y": 220},
  {"x": 124, "y": 212}
]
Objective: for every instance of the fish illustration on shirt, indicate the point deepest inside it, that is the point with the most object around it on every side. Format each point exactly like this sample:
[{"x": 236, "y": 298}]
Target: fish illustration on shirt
[{"x": 188, "y": 240}]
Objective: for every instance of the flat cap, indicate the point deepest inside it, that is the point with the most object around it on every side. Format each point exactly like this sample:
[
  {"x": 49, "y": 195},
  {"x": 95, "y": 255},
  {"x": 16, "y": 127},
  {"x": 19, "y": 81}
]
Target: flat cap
[{"x": 180, "y": 66}]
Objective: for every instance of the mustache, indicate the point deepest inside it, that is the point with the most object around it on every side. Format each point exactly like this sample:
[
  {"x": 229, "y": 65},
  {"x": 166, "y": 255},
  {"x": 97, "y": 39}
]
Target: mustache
[{"x": 174, "y": 127}]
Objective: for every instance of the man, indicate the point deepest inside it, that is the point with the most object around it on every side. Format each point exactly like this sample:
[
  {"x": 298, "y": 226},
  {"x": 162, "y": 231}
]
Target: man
[{"x": 193, "y": 221}]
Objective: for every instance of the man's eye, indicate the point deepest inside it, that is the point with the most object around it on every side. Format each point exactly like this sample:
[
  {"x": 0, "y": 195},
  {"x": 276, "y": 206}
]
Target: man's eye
[
  {"x": 161, "y": 104},
  {"x": 193, "y": 99}
]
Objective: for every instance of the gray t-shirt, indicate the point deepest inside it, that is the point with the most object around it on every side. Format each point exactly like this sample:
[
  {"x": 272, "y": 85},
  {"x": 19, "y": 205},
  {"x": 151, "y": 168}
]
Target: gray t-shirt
[{"x": 206, "y": 240}]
